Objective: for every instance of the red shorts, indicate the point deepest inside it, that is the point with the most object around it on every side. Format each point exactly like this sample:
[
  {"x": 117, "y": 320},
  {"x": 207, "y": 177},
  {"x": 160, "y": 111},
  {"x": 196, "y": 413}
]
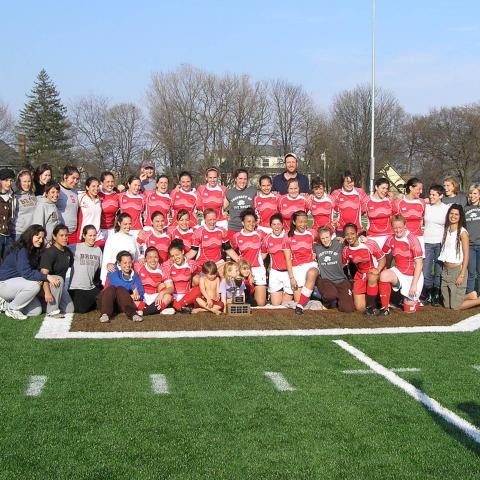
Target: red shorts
[
  {"x": 215, "y": 302},
  {"x": 360, "y": 284}
]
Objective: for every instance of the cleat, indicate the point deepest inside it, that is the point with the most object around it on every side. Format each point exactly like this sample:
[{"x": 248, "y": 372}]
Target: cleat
[
  {"x": 370, "y": 312},
  {"x": 104, "y": 318},
  {"x": 168, "y": 311},
  {"x": 137, "y": 318},
  {"x": 3, "y": 304},
  {"x": 15, "y": 314},
  {"x": 383, "y": 312},
  {"x": 299, "y": 310}
]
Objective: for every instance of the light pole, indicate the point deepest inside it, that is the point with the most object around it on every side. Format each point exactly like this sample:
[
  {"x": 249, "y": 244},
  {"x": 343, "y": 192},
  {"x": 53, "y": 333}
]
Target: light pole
[
  {"x": 372, "y": 135},
  {"x": 323, "y": 156}
]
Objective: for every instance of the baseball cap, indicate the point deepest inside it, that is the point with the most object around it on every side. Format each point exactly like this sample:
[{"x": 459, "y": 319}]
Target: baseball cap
[{"x": 147, "y": 164}]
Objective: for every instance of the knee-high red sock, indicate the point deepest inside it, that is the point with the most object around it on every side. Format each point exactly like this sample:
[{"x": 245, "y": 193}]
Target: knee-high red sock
[
  {"x": 187, "y": 299},
  {"x": 304, "y": 296},
  {"x": 385, "y": 289}
]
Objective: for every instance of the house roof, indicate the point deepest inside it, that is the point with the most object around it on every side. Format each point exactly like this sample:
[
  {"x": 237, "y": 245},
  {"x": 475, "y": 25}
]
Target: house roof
[{"x": 8, "y": 155}]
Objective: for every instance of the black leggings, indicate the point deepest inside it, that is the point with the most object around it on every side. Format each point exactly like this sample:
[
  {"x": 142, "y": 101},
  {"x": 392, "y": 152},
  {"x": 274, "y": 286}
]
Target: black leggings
[{"x": 84, "y": 300}]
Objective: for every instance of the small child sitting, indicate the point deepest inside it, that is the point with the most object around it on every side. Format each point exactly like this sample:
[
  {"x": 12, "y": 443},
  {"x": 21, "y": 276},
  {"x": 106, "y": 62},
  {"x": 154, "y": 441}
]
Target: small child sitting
[
  {"x": 228, "y": 286},
  {"x": 209, "y": 287},
  {"x": 246, "y": 273}
]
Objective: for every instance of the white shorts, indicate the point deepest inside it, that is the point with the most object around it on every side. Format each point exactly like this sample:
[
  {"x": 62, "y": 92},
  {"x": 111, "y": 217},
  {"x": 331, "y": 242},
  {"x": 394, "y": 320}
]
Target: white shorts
[
  {"x": 405, "y": 281},
  {"x": 149, "y": 298},
  {"x": 259, "y": 275},
  {"x": 278, "y": 281},
  {"x": 300, "y": 272},
  {"x": 266, "y": 230},
  {"x": 380, "y": 241}
]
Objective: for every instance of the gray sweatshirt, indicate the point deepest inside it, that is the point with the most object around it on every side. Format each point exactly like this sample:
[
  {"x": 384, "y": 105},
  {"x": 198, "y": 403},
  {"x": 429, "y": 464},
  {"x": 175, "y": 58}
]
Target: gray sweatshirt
[
  {"x": 25, "y": 205},
  {"x": 87, "y": 260},
  {"x": 472, "y": 215},
  {"x": 46, "y": 214},
  {"x": 68, "y": 208},
  {"x": 330, "y": 261}
]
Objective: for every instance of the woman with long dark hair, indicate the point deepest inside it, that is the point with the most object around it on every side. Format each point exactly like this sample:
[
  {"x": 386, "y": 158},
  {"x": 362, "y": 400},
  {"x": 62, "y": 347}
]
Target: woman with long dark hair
[
  {"x": 46, "y": 213},
  {"x": 90, "y": 209},
  {"x": 41, "y": 177},
  {"x": 110, "y": 203},
  {"x": 20, "y": 280},
  {"x": 301, "y": 265},
  {"x": 68, "y": 201},
  {"x": 87, "y": 259},
  {"x": 454, "y": 255}
]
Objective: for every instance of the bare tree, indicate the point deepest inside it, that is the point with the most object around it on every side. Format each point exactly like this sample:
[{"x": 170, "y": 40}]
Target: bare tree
[
  {"x": 7, "y": 124},
  {"x": 351, "y": 115}
]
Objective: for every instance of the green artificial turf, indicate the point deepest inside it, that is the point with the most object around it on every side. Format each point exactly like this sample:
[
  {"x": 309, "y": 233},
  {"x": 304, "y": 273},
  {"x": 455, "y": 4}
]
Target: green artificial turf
[{"x": 98, "y": 419}]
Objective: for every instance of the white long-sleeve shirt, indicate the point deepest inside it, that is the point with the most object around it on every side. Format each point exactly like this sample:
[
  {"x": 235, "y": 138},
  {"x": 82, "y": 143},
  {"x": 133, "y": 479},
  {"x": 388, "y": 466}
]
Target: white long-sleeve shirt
[{"x": 116, "y": 243}]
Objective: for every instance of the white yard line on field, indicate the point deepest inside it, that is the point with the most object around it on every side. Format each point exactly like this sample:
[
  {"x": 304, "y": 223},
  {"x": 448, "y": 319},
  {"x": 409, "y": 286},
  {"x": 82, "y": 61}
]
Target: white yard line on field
[
  {"x": 476, "y": 367},
  {"x": 35, "y": 385},
  {"x": 372, "y": 372},
  {"x": 413, "y": 391},
  {"x": 59, "y": 328},
  {"x": 279, "y": 382},
  {"x": 159, "y": 384}
]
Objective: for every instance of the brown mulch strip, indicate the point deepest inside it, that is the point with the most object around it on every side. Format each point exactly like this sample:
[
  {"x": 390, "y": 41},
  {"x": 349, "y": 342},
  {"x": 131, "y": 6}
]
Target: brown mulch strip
[{"x": 269, "y": 320}]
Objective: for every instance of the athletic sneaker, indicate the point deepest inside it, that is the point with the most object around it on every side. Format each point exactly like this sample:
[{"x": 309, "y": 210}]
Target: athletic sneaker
[
  {"x": 186, "y": 310},
  {"x": 137, "y": 318},
  {"x": 140, "y": 312},
  {"x": 168, "y": 311},
  {"x": 16, "y": 314},
  {"x": 383, "y": 312},
  {"x": 104, "y": 318},
  {"x": 370, "y": 312},
  {"x": 299, "y": 310},
  {"x": 3, "y": 304},
  {"x": 53, "y": 313}
]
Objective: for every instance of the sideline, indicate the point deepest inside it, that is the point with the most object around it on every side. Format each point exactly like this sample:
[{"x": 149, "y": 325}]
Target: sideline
[
  {"x": 59, "y": 328},
  {"x": 413, "y": 391}
]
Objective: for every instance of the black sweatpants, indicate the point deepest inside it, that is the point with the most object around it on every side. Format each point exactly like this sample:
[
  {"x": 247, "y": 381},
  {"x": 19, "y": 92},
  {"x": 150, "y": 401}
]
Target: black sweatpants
[{"x": 84, "y": 300}]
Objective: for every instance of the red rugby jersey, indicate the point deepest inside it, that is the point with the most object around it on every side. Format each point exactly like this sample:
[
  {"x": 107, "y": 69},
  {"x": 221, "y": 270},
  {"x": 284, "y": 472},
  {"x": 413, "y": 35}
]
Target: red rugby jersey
[
  {"x": 110, "y": 206},
  {"x": 182, "y": 200},
  {"x": 413, "y": 211},
  {"x": 160, "y": 242},
  {"x": 379, "y": 213},
  {"x": 362, "y": 256},
  {"x": 265, "y": 206},
  {"x": 134, "y": 206},
  {"x": 301, "y": 247},
  {"x": 348, "y": 205},
  {"x": 151, "y": 279},
  {"x": 321, "y": 210},
  {"x": 156, "y": 202},
  {"x": 209, "y": 197},
  {"x": 249, "y": 246},
  {"x": 273, "y": 245},
  {"x": 186, "y": 236},
  {"x": 209, "y": 244},
  {"x": 180, "y": 275},
  {"x": 404, "y": 250},
  {"x": 287, "y": 206}
]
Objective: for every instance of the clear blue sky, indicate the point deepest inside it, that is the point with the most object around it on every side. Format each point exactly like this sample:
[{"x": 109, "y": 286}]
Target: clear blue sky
[{"x": 428, "y": 52}]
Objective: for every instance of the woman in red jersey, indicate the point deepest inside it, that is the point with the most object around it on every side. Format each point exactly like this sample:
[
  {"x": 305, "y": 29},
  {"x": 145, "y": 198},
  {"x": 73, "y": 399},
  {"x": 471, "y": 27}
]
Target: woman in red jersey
[
  {"x": 370, "y": 261},
  {"x": 110, "y": 203},
  {"x": 291, "y": 202},
  {"x": 265, "y": 203},
  {"x": 184, "y": 197},
  {"x": 248, "y": 242},
  {"x": 301, "y": 265},
  {"x": 347, "y": 203},
  {"x": 379, "y": 210},
  {"x": 157, "y": 200},
  {"x": 132, "y": 202},
  {"x": 156, "y": 237},
  {"x": 278, "y": 282},
  {"x": 212, "y": 195},
  {"x": 182, "y": 230},
  {"x": 412, "y": 208},
  {"x": 320, "y": 205}
]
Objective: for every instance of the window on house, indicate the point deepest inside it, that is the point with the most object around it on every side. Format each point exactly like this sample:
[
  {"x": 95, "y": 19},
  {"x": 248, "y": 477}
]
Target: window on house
[{"x": 265, "y": 162}]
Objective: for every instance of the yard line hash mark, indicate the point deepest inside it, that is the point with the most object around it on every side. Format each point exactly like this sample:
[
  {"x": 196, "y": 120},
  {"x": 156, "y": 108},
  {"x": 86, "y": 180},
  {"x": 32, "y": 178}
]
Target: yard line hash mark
[
  {"x": 414, "y": 392},
  {"x": 476, "y": 367},
  {"x": 279, "y": 382},
  {"x": 159, "y": 384},
  {"x": 369, "y": 371},
  {"x": 35, "y": 385}
]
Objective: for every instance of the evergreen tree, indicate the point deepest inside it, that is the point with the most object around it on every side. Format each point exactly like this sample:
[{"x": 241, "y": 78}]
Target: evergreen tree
[{"x": 45, "y": 123}]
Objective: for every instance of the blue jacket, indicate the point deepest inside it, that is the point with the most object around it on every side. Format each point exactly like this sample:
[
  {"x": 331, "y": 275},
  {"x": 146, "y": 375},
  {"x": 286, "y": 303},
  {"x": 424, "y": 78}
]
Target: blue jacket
[
  {"x": 16, "y": 264},
  {"x": 116, "y": 279},
  {"x": 280, "y": 183}
]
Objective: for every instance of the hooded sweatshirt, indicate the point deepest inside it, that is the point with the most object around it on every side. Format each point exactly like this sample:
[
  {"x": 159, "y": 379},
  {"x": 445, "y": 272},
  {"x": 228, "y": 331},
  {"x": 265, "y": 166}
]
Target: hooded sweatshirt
[
  {"x": 25, "y": 205},
  {"x": 46, "y": 214}
]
